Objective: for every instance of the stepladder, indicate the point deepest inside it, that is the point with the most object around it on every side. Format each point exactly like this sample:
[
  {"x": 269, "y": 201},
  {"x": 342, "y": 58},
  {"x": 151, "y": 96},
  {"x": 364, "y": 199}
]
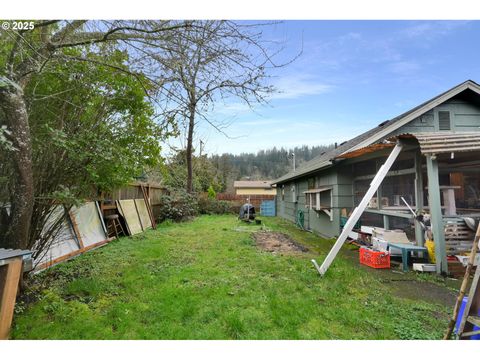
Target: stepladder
[
  {"x": 469, "y": 317},
  {"x": 470, "y": 321}
]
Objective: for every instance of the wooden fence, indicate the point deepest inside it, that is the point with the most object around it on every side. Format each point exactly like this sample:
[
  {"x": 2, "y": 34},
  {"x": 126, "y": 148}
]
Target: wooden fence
[
  {"x": 255, "y": 200},
  {"x": 134, "y": 191}
]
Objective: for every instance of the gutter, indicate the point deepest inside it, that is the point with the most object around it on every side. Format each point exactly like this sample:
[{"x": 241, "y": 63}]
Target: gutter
[{"x": 297, "y": 176}]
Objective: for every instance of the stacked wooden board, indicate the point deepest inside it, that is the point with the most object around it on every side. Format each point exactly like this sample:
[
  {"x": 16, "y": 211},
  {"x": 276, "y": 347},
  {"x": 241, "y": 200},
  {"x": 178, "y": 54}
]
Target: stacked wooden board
[
  {"x": 458, "y": 236},
  {"x": 83, "y": 228}
]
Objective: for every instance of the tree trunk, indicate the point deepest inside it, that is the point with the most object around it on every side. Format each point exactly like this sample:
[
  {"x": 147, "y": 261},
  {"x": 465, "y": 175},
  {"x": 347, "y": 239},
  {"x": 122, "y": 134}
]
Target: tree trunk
[
  {"x": 191, "y": 124},
  {"x": 14, "y": 108}
]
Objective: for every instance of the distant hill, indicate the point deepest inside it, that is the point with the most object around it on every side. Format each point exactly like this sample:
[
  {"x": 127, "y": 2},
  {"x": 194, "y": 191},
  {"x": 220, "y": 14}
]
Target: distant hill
[{"x": 264, "y": 165}]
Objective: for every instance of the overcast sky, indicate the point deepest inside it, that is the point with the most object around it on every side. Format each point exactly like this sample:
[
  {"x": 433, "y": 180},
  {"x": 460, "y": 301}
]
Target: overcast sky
[{"x": 351, "y": 76}]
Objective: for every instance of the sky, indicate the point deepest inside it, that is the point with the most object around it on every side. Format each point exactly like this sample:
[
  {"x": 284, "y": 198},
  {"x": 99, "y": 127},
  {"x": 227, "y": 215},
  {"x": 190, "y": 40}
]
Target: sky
[{"x": 350, "y": 76}]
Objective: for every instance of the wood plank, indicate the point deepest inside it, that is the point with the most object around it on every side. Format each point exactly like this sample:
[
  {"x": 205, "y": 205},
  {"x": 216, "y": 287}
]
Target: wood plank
[
  {"x": 75, "y": 229},
  {"x": 358, "y": 211},
  {"x": 72, "y": 254},
  {"x": 475, "y": 320},
  {"x": 119, "y": 204},
  {"x": 139, "y": 219},
  {"x": 149, "y": 206},
  {"x": 473, "y": 285},
  {"x": 9, "y": 279}
]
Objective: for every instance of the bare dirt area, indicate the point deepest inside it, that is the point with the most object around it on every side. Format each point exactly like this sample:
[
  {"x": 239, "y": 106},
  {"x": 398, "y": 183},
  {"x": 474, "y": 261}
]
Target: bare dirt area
[
  {"x": 277, "y": 242},
  {"x": 409, "y": 285}
]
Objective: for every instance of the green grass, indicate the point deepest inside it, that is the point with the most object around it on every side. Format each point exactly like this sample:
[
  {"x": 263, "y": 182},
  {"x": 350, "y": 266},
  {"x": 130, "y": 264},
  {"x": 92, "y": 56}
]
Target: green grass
[{"x": 204, "y": 280}]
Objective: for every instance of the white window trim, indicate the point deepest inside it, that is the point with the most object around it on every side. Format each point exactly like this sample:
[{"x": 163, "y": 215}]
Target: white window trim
[{"x": 312, "y": 194}]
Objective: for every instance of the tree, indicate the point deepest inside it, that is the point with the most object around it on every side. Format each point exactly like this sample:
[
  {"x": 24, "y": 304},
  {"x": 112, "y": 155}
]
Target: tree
[
  {"x": 25, "y": 54},
  {"x": 79, "y": 151},
  {"x": 205, "y": 175},
  {"x": 213, "y": 61}
]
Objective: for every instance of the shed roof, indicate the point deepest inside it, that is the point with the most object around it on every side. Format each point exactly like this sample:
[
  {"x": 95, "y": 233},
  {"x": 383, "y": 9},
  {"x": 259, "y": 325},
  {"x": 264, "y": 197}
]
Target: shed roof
[
  {"x": 446, "y": 142},
  {"x": 264, "y": 184},
  {"x": 380, "y": 132}
]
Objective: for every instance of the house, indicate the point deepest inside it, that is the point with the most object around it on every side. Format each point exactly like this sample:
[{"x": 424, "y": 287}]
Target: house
[
  {"x": 260, "y": 187},
  {"x": 437, "y": 171}
]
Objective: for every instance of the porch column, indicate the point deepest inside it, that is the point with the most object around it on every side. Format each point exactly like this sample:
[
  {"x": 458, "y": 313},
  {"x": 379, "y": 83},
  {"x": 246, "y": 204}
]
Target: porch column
[
  {"x": 436, "y": 214},
  {"x": 419, "y": 232},
  {"x": 386, "y": 222}
]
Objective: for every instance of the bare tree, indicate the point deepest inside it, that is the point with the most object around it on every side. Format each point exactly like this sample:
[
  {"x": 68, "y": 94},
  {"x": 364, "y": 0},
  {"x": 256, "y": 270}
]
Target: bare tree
[
  {"x": 215, "y": 61},
  {"x": 26, "y": 53}
]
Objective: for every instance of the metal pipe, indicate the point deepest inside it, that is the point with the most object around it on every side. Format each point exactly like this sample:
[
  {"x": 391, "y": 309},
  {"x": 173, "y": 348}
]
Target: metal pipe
[{"x": 413, "y": 212}]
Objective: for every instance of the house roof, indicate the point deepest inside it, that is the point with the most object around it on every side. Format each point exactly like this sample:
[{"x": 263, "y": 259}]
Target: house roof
[
  {"x": 446, "y": 142},
  {"x": 380, "y": 132},
  {"x": 264, "y": 184}
]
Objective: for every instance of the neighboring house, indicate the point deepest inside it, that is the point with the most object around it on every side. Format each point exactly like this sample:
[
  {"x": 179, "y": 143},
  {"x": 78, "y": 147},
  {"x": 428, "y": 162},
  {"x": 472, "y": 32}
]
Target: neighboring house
[
  {"x": 259, "y": 187},
  {"x": 441, "y": 153}
]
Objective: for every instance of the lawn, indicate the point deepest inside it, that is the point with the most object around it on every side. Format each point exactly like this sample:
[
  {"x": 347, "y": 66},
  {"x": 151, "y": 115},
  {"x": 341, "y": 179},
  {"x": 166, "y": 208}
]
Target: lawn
[{"x": 205, "y": 280}]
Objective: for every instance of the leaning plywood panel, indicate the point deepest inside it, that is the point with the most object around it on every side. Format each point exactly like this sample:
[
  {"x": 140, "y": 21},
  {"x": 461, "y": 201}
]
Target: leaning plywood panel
[
  {"x": 129, "y": 212},
  {"x": 143, "y": 213},
  {"x": 89, "y": 224},
  {"x": 122, "y": 214},
  {"x": 62, "y": 244}
]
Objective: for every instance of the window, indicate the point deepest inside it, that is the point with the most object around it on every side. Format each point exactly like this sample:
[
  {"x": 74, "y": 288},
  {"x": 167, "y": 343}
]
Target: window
[
  {"x": 320, "y": 200},
  {"x": 311, "y": 183},
  {"x": 294, "y": 193},
  {"x": 283, "y": 192},
  {"x": 444, "y": 120}
]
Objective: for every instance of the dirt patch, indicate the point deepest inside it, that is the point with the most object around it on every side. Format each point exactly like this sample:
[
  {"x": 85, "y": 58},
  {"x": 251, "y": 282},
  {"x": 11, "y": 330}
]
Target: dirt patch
[
  {"x": 277, "y": 242},
  {"x": 429, "y": 292},
  {"x": 408, "y": 285}
]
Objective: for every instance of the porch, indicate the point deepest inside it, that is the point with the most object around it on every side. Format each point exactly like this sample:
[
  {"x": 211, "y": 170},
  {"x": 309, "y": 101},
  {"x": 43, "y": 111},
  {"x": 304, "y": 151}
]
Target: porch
[{"x": 437, "y": 175}]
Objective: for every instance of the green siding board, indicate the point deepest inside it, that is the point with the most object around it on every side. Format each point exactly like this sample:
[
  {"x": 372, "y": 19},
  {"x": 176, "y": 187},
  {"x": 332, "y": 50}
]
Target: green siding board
[{"x": 464, "y": 117}]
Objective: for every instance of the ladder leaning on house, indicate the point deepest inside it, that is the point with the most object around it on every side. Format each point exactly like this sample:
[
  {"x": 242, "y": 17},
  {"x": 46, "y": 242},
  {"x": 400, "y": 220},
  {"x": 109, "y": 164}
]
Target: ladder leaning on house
[{"x": 468, "y": 319}]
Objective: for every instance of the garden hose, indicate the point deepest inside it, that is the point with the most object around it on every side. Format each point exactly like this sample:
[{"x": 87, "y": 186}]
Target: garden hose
[{"x": 300, "y": 219}]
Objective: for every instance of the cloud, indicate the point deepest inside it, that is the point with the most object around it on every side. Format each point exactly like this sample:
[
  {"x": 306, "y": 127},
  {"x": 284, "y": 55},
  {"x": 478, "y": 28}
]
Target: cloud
[
  {"x": 298, "y": 85},
  {"x": 432, "y": 29},
  {"x": 233, "y": 108},
  {"x": 404, "y": 67}
]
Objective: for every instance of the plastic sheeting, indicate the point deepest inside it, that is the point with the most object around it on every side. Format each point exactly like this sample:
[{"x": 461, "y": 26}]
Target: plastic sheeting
[
  {"x": 89, "y": 224},
  {"x": 64, "y": 243}
]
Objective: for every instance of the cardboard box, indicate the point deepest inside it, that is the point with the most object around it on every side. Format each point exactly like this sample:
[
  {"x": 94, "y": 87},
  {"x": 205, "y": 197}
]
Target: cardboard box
[
  {"x": 382, "y": 245},
  {"x": 391, "y": 236}
]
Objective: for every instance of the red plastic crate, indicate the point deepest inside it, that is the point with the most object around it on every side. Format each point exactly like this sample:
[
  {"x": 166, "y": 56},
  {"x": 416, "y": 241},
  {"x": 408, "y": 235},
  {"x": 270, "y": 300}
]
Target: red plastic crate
[{"x": 374, "y": 259}]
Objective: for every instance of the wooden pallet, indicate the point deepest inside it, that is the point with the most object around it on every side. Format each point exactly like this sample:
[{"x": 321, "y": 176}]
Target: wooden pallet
[{"x": 458, "y": 236}]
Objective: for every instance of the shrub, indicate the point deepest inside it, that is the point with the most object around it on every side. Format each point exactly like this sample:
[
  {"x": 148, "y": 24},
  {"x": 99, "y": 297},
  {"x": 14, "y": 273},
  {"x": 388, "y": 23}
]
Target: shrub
[
  {"x": 211, "y": 192},
  {"x": 207, "y": 205},
  {"x": 178, "y": 206}
]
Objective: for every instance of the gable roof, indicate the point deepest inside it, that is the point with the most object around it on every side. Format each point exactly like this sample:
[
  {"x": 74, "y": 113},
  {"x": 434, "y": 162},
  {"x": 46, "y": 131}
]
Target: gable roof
[{"x": 371, "y": 136}]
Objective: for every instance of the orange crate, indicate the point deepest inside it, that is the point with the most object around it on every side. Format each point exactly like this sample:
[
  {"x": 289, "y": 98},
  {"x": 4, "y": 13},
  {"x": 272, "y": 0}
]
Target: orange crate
[{"x": 374, "y": 259}]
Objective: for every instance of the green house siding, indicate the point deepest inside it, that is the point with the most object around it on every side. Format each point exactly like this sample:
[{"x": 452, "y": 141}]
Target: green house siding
[
  {"x": 464, "y": 116},
  {"x": 460, "y": 113},
  {"x": 286, "y": 206},
  {"x": 317, "y": 221}
]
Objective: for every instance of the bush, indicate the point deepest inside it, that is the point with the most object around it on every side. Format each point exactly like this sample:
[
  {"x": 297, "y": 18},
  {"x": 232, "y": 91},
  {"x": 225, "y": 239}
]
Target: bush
[
  {"x": 178, "y": 206},
  {"x": 211, "y": 192},
  {"x": 207, "y": 205}
]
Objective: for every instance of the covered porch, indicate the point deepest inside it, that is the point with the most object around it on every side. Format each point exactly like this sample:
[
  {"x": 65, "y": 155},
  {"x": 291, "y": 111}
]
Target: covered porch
[{"x": 436, "y": 174}]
